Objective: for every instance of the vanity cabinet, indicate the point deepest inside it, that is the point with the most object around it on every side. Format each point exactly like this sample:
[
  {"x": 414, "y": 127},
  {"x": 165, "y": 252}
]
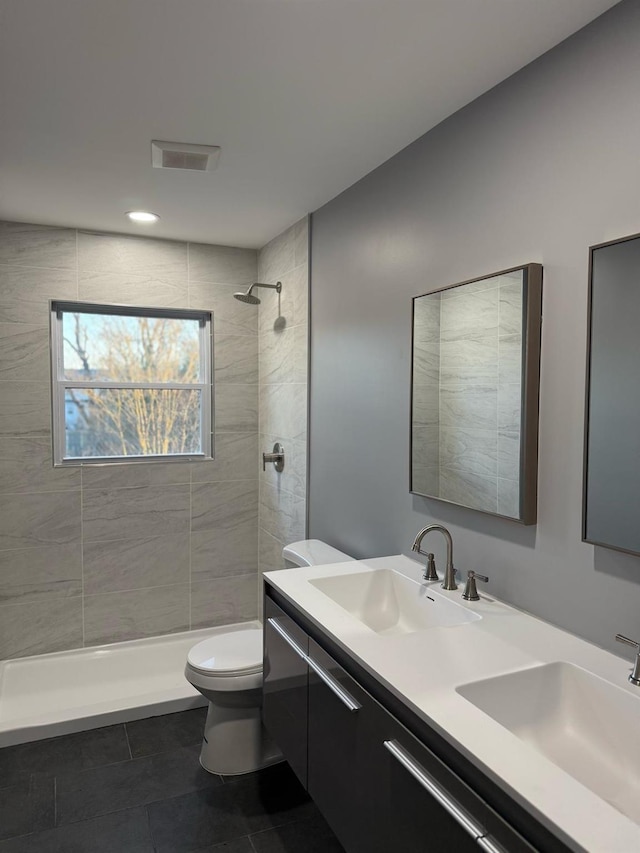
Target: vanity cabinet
[
  {"x": 380, "y": 785},
  {"x": 285, "y": 686}
]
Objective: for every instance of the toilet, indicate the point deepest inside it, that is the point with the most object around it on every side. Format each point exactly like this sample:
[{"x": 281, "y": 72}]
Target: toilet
[{"x": 227, "y": 669}]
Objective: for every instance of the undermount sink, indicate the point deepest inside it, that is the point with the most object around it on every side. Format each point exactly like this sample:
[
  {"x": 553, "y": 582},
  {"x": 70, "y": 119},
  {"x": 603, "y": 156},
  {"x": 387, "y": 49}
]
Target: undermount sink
[
  {"x": 583, "y": 724},
  {"x": 390, "y": 603}
]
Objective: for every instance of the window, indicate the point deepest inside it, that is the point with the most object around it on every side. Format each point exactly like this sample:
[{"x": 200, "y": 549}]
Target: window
[{"x": 130, "y": 384}]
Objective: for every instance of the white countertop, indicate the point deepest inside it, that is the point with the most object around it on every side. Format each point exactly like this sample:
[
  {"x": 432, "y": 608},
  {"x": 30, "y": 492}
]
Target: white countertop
[{"x": 424, "y": 669}]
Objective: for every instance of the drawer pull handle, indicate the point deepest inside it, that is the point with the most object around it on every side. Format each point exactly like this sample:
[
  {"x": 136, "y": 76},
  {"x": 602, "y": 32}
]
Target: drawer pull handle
[
  {"x": 334, "y": 686},
  {"x": 429, "y": 784},
  {"x": 287, "y": 637},
  {"x": 489, "y": 845},
  {"x": 329, "y": 680}
]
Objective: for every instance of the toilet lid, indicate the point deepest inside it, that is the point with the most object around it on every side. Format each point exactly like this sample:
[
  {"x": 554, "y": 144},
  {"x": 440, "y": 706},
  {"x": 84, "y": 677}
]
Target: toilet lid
[{"x": 229, "y": 653}]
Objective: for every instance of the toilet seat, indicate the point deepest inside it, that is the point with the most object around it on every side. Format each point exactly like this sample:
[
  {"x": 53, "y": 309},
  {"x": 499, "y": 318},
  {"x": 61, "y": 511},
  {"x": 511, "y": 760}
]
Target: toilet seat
[{"x": 227, "y": 661}]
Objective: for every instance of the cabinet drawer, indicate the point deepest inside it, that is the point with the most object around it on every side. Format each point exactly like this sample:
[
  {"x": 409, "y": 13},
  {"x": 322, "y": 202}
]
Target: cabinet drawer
[{"x": 429, "y": 808}]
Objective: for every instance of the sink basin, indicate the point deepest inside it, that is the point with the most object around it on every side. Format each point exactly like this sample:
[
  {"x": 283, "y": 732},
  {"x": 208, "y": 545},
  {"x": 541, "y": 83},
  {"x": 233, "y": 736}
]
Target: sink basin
[
  {"x": 583, "y": 724},
  {"x": 390, "y": 603}
]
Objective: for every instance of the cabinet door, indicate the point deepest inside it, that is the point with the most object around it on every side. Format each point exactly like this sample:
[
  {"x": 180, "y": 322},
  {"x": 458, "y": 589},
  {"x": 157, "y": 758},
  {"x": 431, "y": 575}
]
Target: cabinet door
[
  {"x": 339, "y": 748},
  {"x": 284, "y": 697}
]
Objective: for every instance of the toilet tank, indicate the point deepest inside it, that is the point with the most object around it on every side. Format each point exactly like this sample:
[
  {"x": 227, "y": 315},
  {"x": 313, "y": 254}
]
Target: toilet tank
[{"x": 311, "y": 552}]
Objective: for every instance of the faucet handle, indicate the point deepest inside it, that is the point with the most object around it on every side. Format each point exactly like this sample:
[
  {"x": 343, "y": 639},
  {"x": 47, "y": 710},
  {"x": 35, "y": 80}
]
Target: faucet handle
[
  {"x": 470, "y": 590},
  {"x": 634, "y": 678},
  {"x": 430, "y": 573},
  {"x": 622, "y": 639}
]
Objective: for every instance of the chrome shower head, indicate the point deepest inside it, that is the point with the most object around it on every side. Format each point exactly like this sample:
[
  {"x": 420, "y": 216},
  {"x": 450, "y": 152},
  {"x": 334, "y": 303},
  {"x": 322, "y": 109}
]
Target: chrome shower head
[
  {"x": 247, "y": 297},
  {"x": 250, "y": 299}
]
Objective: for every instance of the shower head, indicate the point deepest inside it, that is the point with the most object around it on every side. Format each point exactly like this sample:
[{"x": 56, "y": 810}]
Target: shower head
[
  {"x": 250, "y": 299},
  {"x": 247, "y": 297}
]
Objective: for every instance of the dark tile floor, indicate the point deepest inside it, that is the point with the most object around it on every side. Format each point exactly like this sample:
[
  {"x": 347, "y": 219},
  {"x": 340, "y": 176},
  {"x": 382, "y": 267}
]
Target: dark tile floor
[{"x": 138, "y": 788}]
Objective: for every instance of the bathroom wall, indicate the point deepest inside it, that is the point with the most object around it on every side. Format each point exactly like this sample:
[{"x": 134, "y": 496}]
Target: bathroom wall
[
  {"x": 283, "y": 340},
  {"x": 537, "y": 170},
  {"x": 109, "y": 553}
]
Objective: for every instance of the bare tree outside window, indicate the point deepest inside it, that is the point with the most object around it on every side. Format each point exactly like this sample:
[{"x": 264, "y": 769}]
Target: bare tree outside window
[{"x": 133, "y": 384}]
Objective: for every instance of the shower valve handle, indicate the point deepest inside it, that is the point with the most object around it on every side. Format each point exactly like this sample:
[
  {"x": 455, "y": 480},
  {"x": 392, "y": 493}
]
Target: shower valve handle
[{"x": 277, "y": 457}]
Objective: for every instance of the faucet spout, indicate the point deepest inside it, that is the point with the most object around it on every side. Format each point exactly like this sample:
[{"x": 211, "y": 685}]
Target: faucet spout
[{"x": 449, "y": 581}]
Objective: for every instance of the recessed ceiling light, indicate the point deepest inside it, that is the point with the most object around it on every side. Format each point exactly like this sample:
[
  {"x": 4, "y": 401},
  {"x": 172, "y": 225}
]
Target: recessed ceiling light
[{"x": 142, "y": 216}]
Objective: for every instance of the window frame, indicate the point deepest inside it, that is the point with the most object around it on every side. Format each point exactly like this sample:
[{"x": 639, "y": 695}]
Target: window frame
[{"x": 59, "y": 384}]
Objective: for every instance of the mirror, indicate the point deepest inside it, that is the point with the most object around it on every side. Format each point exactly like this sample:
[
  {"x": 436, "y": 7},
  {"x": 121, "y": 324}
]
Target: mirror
[
  {"x": 474, "y": 400},
  {"x": 612, "y": 434}
]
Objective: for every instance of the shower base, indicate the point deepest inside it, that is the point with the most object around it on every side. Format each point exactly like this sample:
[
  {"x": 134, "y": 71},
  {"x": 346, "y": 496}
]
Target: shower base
[{"x": 63, "y": 692}]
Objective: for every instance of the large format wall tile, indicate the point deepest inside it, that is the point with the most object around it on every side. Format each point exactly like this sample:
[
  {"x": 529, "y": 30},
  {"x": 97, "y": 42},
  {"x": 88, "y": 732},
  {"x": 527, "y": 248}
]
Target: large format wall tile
[
  {"x": 135, "y": 512},
  {"x": 470, "y": 315},
  {"x": 113, "y": 566},
  {"x": 235, "y": 458},
  {"x": 24, "y": 352},
  {"x": 472, "y": 450},
  {"x": 270, "y": 557},
  {"x": 130, "y": 289},
  {"x": 26, "y": 466},
  {"x": 225, "y": 551},
  {"x": 283, "y": 356},
  {"x": 469, "y": 489},
  {"x": 508, "y": 498},
  {"x": 278, "y": 256},
  {"x": 282, "y": 514},
  {"x": 120, "y": 253},
  {"x": 230, "y": 316},
  {"x": 25, "y": 409},
  {"x": 294, "y": 477},
  {"x": 29, "y": 520},
  {"x": 236, "y": 359},
  {"x": 123, "y": 475},
  {"x": 129, "y": 525},
  {"x": 38, "y": 574},
  {"x": 220, "y": 506},
  {"x": 511, "y": 308},
  {"x": 117, "y": 616},
  {"x": 223, "y": 600},
  {"x": 470, "y": 407},
  {"x": 469, "y": 361},
  {"x": 288, "y": 308},
  {"x": 509, "y": 455},
  {"x": 25, "y": 292},
  {"x": 35, "y": 629},
  {"x": 283, "y": 410},
  {"x": 236, "y": 408},
  {"x": 223, "y": 264},
  {"x": 27, "y": 245}
]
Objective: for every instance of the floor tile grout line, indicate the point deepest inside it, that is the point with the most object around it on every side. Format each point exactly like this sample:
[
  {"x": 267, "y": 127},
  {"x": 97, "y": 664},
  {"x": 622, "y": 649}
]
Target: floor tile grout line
[
  {"x": 55, "y": 801},
  {"x": 126, "y": 734}
]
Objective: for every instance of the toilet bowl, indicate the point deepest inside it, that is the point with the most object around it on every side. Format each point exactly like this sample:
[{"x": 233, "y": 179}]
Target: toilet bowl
[{"x": 227, "y": 669}]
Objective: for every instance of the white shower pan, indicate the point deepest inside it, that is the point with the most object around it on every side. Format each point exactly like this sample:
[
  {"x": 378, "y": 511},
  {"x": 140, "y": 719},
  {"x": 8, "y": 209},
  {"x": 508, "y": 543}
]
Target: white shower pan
[{"x": 54, "y": 694}]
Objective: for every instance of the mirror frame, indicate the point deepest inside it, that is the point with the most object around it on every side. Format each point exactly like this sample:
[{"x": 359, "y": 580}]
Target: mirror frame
[
  {"x": 532, "y": 329},
  {"x": 587, "y": 399}
]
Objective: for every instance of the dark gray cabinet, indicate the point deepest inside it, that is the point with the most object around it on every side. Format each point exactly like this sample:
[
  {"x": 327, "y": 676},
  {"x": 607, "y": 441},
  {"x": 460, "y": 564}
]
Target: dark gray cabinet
[
  {"x": 285, "y": 688},
  {"x": 380, "y": 787}
]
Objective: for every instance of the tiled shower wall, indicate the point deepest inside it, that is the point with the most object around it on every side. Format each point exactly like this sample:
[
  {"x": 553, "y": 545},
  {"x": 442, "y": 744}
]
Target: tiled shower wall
[
  {"x": 102, "y": 554},
  {"x": 283, "y": 340}
]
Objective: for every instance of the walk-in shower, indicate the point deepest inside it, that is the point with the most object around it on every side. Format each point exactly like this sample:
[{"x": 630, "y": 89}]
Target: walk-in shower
[{"x": 254, "y": 300}]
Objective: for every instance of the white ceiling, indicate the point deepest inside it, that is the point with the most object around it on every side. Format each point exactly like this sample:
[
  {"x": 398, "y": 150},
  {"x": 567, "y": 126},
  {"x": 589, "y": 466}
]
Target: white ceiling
[{"x": 304, "y": 96}]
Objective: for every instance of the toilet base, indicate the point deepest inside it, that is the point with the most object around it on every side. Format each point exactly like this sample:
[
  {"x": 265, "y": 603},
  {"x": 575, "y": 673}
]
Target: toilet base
[{"x": 235, "y": 741}]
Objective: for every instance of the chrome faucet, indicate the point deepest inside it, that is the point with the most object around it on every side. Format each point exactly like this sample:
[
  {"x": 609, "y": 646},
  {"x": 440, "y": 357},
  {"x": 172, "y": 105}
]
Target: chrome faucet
[
  {"x": 634, "y": 678},
  {"x": 449, "y": 581}
]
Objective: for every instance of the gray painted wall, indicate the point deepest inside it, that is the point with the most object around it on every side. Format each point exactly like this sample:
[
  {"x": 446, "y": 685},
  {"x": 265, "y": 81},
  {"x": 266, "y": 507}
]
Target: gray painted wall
[{"x": 537, "y": 170}]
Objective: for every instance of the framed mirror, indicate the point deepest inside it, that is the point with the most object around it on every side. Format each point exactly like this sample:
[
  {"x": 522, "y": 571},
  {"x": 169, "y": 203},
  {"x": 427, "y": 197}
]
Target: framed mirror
[
  {"x": 474, "y": 393},
  {"x": 612, "y": 423}
]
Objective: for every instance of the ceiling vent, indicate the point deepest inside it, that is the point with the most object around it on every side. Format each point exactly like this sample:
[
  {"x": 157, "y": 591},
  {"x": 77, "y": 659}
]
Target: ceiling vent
[{"x": 184, "y": 155}]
